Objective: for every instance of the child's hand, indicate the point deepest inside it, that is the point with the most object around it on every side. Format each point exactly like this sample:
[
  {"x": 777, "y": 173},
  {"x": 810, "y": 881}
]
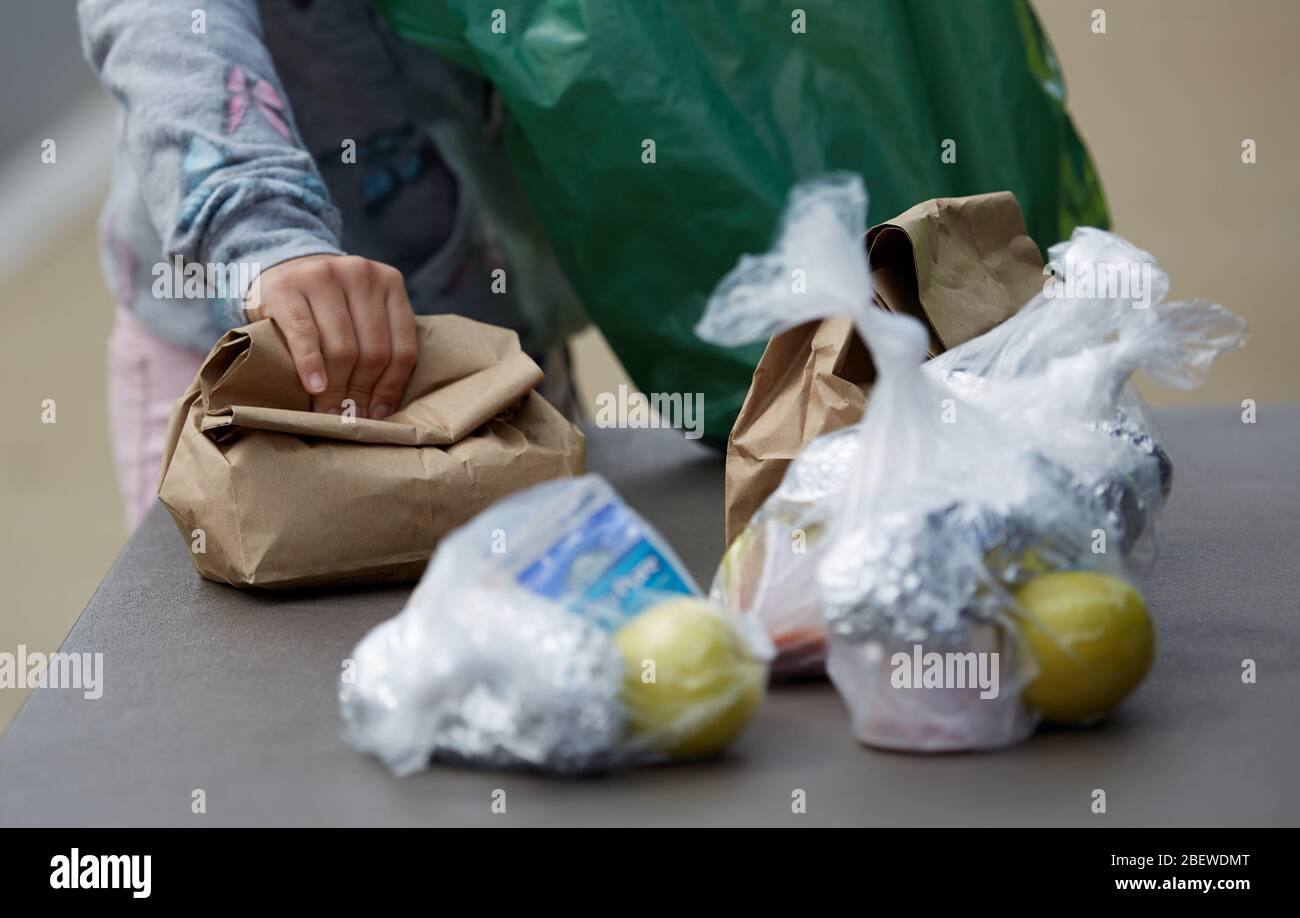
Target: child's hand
[{"x": 349, "y": 327}]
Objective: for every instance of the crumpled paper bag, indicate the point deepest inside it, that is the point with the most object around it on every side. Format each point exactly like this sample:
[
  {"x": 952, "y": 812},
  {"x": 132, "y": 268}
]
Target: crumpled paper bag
[
  {"x": 960, "y": 265},
  {"x": 271, "y": 494}
]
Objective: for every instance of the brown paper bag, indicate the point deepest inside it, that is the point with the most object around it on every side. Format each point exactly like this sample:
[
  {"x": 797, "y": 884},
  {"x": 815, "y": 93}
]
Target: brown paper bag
[
  {"x": 960, "y": 265},
  {"x": 287, "y": 497}
]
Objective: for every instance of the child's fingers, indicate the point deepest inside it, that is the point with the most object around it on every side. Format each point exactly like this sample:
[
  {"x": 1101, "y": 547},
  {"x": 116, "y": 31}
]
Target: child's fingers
[
  {"x": 292, "y": 315},
  {"x": 387, "y": 396},
  {"x": 365, "y": 295},
  {"x": 349, "y": 327},
  {"x": 338, "y": 342}
]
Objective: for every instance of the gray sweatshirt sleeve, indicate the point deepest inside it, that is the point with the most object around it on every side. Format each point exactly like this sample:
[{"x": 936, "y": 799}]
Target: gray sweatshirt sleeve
[{"x": 207, "y": 129}]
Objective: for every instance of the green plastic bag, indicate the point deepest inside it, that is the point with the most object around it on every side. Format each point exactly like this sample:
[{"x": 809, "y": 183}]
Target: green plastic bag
[{"x": 742, "y": 98}]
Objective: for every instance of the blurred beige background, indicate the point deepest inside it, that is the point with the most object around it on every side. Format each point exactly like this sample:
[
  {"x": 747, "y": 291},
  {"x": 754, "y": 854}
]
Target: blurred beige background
[{"x": 1163, "y": 99}]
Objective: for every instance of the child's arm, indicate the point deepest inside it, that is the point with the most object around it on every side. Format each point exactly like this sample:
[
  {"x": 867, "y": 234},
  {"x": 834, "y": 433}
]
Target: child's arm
[{"x": 226, "y": 181}]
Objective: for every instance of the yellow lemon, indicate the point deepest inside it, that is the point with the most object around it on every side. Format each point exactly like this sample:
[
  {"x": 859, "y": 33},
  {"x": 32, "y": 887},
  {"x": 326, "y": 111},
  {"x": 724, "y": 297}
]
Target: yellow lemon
[
  {"x": 689, "y": 685},
  {"x": 1093, "y": 641},
  {"x": 739, "y": 569}
]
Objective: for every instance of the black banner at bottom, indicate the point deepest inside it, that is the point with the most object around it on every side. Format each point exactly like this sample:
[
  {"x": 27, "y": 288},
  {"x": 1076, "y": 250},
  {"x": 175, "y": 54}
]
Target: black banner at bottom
[{"x": 335, "y": 866}]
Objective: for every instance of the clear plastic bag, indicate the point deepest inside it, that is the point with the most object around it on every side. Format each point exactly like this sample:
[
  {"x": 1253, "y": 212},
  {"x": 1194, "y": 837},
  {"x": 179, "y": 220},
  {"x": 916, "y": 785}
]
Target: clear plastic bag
[
  {"x": 767, "y": 573},
  {"x": 1011, "y": 458},
  {"x": 1059, "y": 373},
  {"x": 558, "y": 631}
]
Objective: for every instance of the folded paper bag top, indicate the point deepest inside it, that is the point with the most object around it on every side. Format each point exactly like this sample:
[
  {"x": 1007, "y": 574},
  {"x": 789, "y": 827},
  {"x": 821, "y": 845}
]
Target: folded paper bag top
[
  {"x": 287, "y": 497},
  {"x": 960, "y": 265}
]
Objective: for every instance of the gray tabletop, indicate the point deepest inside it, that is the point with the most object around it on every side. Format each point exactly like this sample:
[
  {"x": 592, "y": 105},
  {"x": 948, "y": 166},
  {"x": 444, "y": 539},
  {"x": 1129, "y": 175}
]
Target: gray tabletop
[{"x": 232, "y": 692}]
